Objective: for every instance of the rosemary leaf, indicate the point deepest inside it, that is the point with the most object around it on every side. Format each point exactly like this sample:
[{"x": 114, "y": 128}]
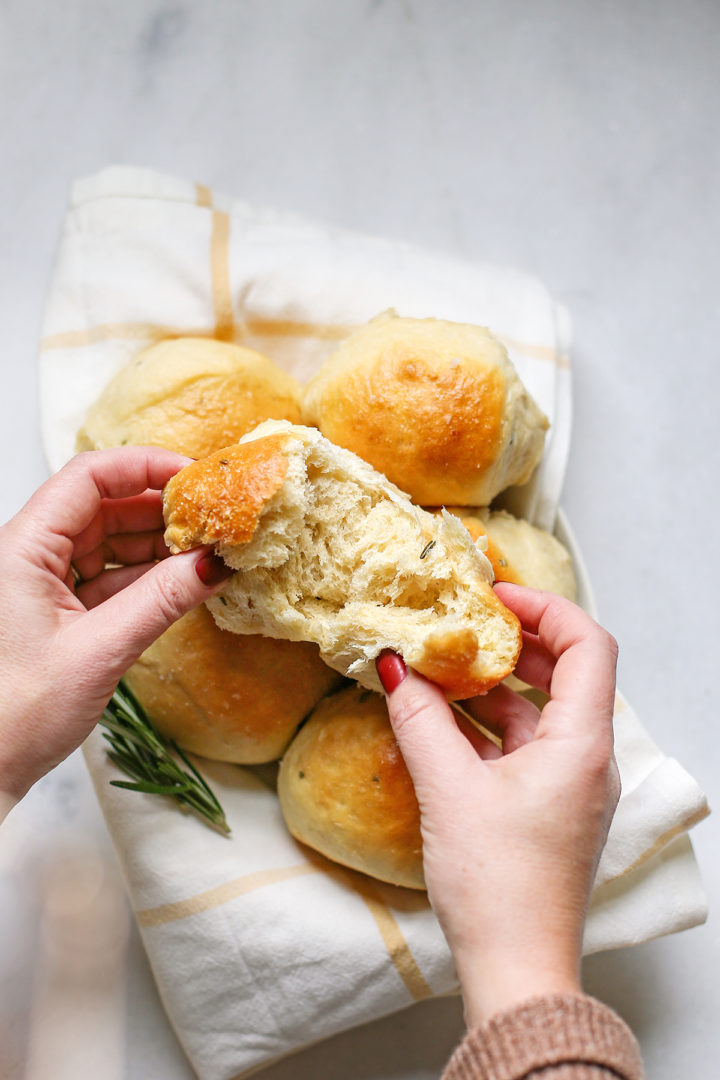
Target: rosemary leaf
[
  {"x": 148, "y": 788},
  {"x": 154, "y": 762}
]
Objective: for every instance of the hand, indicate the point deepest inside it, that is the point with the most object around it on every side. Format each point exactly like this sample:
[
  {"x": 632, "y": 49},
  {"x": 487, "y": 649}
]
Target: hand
[
  {"x": 512, "y": 836},
  {"x": 64, "y": 646}
]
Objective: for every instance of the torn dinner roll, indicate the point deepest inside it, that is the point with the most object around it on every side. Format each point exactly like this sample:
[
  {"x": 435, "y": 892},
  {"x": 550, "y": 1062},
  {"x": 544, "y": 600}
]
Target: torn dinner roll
[
  {"x": 519, "y": 551},
  {"x": 326, "y": 549},
  {"x": 436, "y": 406},
  {"x": 190, "y": 395},
  {"x": 345, "y": 790}
]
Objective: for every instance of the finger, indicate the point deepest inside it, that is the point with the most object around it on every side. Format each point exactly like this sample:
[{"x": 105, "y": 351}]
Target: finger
[
  {"x": 535, "y": 664},
  {"x": 506, "y": 714},
  {"x": 69, "y": 500},
  {"x": 110, "y": 582},
  {"x": 528, "y": 604},
  {"x": 123, "y": 551},
  {"x": 481, "y": 743},
  {"x": 118, "y": 630},
  {"x": 582, "y": 688},
  {"x": 582, "y": 685},
  {"x": 424, "y": 726},
  {"x": 141, "y": 513}
]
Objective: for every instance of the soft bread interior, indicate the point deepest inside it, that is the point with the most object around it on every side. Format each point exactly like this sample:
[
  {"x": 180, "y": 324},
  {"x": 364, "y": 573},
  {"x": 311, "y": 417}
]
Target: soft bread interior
[{"x": 341, "y": 557}]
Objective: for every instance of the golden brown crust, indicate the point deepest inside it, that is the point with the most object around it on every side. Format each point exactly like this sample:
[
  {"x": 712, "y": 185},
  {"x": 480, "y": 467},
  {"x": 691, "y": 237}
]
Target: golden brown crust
[
  {"x": 221, "y": 497},
  {"x": 345, "y": 790},
  {"x": 228, "y": 697},
  {"x": 450, "y": 659},
  {"x": 422, "y": 410},
  {"x": 191, "y": 395},
  {"x": 436, "y": 406},
  {"x": 405, "y": 436}
]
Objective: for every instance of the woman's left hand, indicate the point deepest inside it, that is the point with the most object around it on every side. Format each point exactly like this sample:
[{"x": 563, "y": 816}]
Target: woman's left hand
[{"x": 86, "y": 587}]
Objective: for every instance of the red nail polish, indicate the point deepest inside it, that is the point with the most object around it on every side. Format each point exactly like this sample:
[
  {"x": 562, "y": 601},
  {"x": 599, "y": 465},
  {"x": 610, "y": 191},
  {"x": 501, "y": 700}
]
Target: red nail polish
[
  {"x": 391, "y": 670},
  {"x": 212, "y": 570}
]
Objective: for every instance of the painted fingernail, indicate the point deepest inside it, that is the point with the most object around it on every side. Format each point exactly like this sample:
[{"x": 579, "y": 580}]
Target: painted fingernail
[
  {"x": 391, "y": 670},
  {"x": 212, "y": 570}
]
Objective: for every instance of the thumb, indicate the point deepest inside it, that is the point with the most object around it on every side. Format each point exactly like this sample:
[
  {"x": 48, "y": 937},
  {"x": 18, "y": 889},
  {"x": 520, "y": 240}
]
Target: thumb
[
  {"x": 421, "y": 719},
  {"x": 124, "y": 625}
]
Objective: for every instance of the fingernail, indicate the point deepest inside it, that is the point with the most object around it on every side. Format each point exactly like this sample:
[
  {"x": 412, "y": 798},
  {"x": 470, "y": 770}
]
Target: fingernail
[
  {"x": 212, "y": 570},
  {"x": 391, "y": 670}
]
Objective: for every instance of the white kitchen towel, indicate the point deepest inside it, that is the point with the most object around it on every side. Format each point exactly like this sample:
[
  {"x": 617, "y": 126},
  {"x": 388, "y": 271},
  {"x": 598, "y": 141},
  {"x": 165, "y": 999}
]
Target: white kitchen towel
[{"x": 258, "y": 945}]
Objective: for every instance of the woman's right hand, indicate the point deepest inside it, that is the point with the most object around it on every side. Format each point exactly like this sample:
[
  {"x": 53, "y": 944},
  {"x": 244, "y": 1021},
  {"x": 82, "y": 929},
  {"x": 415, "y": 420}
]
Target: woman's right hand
[{"x": 512, "y": 836}]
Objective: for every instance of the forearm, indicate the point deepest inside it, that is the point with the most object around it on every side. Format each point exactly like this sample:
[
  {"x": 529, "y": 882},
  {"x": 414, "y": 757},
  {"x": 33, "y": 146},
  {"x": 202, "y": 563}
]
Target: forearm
[
  {"x": 513, "y": 948},
  {"x": 559, "y": 1037}
]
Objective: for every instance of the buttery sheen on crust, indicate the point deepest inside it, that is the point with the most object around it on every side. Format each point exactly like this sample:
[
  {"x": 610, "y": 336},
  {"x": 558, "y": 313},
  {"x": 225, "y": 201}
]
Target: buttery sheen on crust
[
  {"x": 345, "y": 790},
  {"x": 436, "y": 406},
  {"x": 190, "y": 395},
  {"x": 225, "y": 696},
  {"x": 327, "y": 550}
]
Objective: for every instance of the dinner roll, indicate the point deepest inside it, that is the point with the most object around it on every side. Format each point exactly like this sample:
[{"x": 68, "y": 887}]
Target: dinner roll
[
  {"x": 520, "y": 552},
  {"x": 227, "y": 697},
  {"x": 436, "y": 406},
  {"x": 345, "y": 790},
  {"x": 327, "y": 550},
  {"x": 191, "y": 395}
]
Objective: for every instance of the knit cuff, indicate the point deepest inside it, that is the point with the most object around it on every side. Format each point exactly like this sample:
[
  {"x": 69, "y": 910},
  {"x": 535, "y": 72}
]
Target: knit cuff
[{"x": 560, "y": 1029}]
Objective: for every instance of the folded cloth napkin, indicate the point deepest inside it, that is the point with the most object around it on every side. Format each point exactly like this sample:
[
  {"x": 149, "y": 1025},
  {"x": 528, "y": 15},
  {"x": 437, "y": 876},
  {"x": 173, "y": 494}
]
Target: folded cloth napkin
[{"x": 258, "y": 945}]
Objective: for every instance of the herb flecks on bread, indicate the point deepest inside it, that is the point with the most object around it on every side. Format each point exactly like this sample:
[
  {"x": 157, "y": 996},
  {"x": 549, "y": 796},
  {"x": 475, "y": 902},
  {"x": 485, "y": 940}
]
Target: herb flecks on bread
[
  {"x": 328, "y": 550},
  {"x": 345, "y": 790}
]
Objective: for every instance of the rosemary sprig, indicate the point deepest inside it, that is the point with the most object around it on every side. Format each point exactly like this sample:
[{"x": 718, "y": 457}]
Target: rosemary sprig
[{"x": 140, "y": 751}]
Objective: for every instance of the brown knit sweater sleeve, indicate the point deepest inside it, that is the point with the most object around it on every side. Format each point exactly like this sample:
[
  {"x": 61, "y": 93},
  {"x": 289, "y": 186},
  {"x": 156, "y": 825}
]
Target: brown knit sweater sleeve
[{"x": 560, "y": 1037}]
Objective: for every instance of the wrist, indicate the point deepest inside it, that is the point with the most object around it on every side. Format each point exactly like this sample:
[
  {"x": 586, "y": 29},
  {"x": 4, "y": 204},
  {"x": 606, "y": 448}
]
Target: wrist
[{"x": 492, "y": 985}]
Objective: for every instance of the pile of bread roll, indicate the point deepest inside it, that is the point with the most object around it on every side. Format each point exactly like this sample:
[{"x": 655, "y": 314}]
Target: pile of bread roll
[{"x": 357, "y": 514}]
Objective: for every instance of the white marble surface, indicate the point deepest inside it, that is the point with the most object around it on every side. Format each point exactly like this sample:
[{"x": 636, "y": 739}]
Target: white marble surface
[{"x": 576, "y": 140}]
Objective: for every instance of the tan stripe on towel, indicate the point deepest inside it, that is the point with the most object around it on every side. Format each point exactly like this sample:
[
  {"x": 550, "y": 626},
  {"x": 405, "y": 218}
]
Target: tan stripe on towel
[
  {"x": 539, "y": 352},
  {"x": 226, "y": 325},
  {"x": 398, "y": 949},
  {"x": 203, "y": 196},
  {"x": 396, "y": 945},
  {"x": 659, "y": 844},
  {"x": 221, "y": 894},
  {"x": 219, "y": 265},
  {"x": 125, "y": 331},
  {"x": 391, "y": 934},
  {"x": 295, "y": 328},
  {"x": 220, "y": 276},
  {"x": 129, "y": 331}
]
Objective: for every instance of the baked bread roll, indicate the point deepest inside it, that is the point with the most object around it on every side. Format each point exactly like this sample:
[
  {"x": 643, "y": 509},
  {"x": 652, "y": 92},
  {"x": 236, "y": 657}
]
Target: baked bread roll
[
  {"x": 327, "y": 550},
  {"x": 435, "y": 406},
  {"x": 226, "y": 697},
  {"x": 520, "y": 552},
  {"x": 345, "y": 790},
  {"x": 190, "y": 395}
]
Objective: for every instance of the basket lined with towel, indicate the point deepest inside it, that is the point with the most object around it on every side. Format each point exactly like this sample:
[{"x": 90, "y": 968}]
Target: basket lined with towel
[{"x": 257, "y": 945}]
